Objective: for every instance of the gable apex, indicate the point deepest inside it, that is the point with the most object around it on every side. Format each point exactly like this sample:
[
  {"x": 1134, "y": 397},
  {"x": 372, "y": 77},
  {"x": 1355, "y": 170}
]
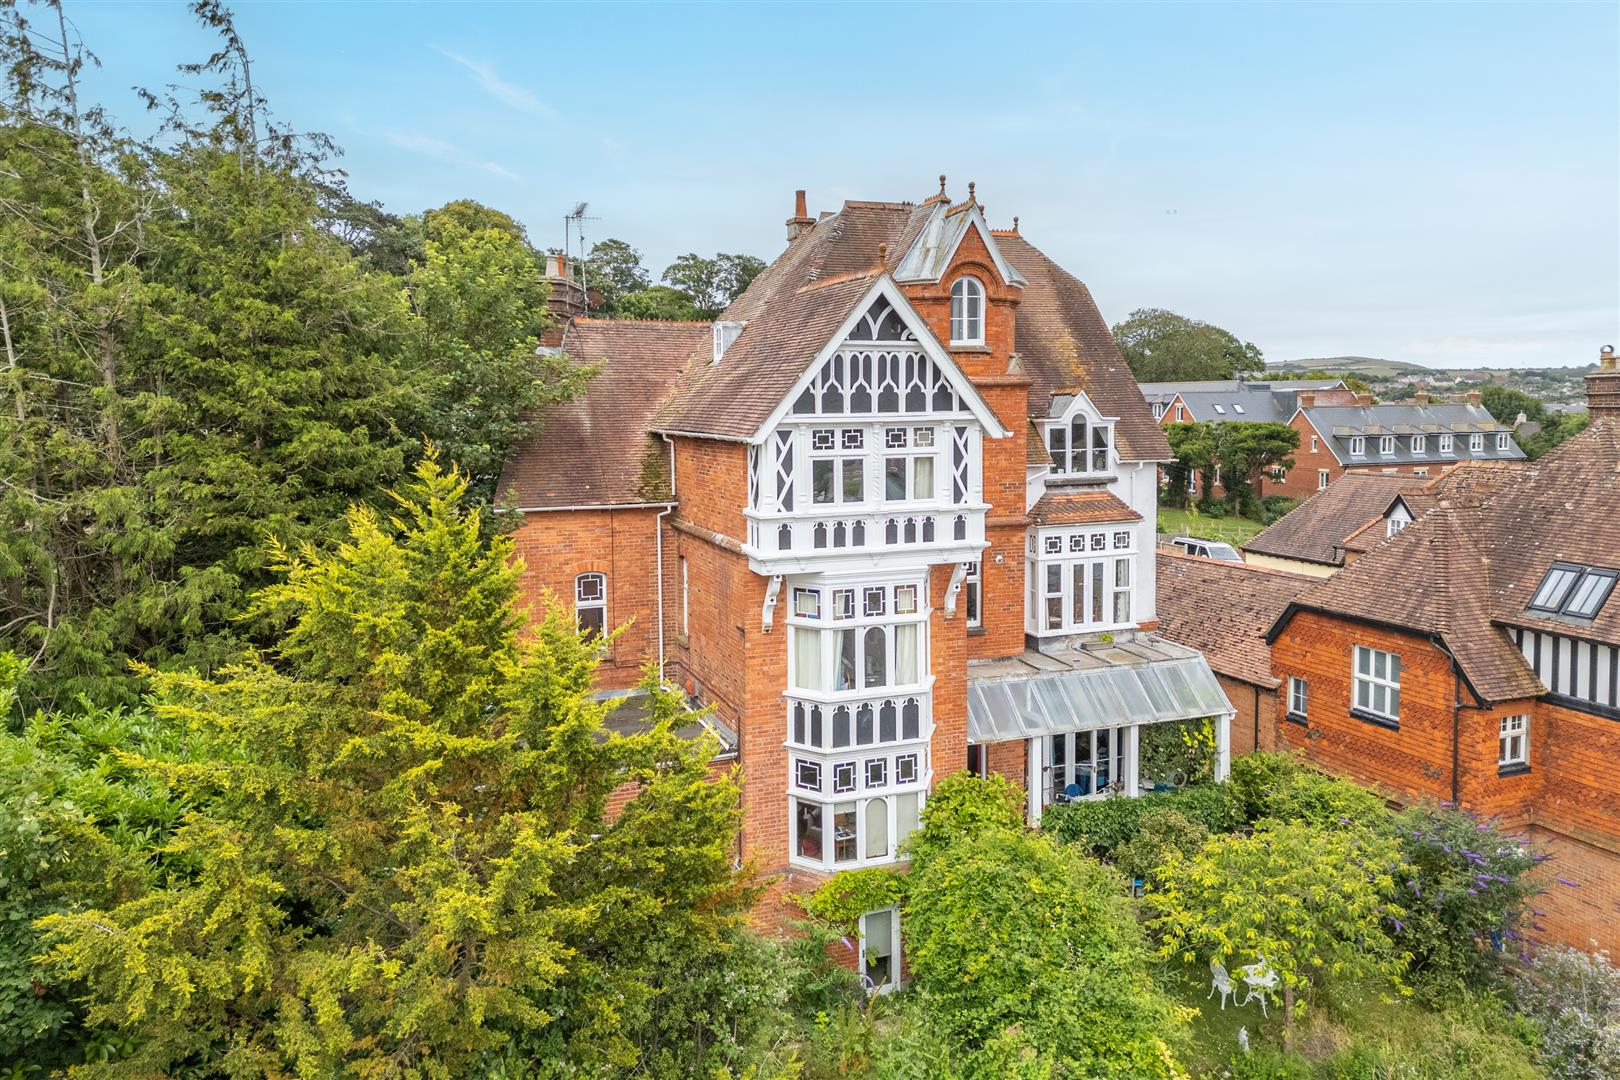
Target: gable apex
[
  {"x": 863, "y": 317},
  {"x": 931, "y": 254}
]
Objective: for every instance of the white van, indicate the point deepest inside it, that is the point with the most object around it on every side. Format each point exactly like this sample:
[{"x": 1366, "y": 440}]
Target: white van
[{"x": 1207, "y": 549}]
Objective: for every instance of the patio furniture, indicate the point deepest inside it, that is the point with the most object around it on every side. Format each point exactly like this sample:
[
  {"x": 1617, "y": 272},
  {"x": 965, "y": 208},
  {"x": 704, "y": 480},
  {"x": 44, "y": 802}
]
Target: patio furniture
[
  {"x": 1258, "y": 979},
  {"x": 1220, "y": 980}
]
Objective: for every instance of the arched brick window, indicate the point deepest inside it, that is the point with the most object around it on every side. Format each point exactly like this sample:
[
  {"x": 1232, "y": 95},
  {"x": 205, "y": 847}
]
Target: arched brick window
[
  {"x": 967, "y": 312},
  {"x": 590, "y": 603}
]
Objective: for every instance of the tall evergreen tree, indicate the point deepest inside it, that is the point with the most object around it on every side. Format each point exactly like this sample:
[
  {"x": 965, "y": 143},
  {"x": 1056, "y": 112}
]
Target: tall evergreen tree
[{"x": 402, "y": 859}]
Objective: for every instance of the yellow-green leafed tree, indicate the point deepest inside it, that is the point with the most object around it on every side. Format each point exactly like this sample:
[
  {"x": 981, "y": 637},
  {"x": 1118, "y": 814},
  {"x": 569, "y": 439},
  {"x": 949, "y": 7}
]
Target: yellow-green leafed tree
[
  {"x": 1312, "y": 903},
  {"x": 401, "y": 863}
]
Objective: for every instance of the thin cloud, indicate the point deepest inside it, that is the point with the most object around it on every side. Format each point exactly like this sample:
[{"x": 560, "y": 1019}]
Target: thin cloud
[
  {"x": 451, "y": 154},
  {"x": 518, "y": 97}
]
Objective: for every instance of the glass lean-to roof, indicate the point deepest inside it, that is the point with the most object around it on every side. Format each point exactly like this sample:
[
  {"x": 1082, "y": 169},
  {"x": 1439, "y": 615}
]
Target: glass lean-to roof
[{"x": 1183, "y": 688}]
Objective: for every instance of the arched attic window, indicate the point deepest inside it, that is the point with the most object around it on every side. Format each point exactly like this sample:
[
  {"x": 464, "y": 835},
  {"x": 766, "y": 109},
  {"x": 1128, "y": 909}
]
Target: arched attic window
[{"x": 967, "y": 312}]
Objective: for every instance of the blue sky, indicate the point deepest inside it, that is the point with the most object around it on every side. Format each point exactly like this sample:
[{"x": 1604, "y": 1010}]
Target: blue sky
[{"x": 1428, "y": 182}]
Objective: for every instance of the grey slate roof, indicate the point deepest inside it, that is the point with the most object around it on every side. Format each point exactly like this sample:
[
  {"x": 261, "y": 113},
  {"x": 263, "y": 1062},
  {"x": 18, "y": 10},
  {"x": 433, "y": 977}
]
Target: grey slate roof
[{"x": 1339, "y": 424}]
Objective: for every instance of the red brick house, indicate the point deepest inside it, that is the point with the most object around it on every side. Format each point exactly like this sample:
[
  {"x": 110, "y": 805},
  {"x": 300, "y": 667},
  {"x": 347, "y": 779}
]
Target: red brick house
[
  {"x": 891, "y": 516},
  {"x": 1474, "y": 657}
]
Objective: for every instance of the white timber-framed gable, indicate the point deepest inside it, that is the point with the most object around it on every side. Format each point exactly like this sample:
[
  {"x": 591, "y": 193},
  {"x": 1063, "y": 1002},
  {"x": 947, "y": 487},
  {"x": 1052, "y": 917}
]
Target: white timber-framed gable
[{"x": 875, "y": 453}]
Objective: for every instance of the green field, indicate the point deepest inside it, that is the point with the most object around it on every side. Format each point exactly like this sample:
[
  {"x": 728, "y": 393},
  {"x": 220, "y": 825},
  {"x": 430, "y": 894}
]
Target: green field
[{"x": 1233, "y": 530}]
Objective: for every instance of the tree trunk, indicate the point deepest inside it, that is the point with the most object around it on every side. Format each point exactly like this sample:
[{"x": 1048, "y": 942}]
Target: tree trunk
[{"x": 1288, "y": 1019}]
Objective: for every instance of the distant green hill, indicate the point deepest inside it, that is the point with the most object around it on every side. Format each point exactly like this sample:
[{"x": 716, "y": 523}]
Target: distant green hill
[{"x": 1356, "y": 365}]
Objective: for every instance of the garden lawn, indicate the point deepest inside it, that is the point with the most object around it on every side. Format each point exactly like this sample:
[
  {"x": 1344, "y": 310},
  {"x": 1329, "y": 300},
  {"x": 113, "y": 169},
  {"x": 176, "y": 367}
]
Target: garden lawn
[{"x": 1232, "y": 530}]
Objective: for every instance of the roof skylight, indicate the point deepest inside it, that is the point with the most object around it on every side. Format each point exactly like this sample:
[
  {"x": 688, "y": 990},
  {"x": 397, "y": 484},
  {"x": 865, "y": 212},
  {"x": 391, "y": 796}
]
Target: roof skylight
[{"x": 1577, "y": 591}]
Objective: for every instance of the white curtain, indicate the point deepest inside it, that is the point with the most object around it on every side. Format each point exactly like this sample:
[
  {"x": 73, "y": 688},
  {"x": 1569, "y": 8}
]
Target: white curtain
[
  {"x": 877, "y": 828},
  {"x": 807, "y": 667},
  {"x": 906, "y": 637}
]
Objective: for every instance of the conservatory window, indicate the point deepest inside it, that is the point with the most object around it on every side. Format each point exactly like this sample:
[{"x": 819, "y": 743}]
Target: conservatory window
[
  {"x": 590, "y": 604},
  {"x": 967, "y": 312}
]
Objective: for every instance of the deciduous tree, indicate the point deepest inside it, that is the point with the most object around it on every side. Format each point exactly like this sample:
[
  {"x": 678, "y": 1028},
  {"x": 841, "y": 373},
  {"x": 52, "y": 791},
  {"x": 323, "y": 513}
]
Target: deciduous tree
[{"x": 1161, "y": 346}]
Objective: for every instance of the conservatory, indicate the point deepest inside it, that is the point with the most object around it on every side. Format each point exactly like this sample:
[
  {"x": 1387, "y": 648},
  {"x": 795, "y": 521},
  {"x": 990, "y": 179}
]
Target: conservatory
[{"x": 1103, "y": 718}]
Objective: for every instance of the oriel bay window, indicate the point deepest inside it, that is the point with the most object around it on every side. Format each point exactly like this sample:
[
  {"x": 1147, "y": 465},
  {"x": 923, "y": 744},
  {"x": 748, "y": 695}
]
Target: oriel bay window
[
  {"x": 872, "y": 638},
  {"x": 1082, "y": 594}
]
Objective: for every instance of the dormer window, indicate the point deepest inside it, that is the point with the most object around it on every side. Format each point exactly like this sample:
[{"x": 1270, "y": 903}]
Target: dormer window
[
  {"x": 1420, "y": 443},
  {"x": 1502, "y": 441},
  {"x": 1386, "y": 444},
  {"x": 1358, "y": 446},
  {"x": 967, "y": 312},
  {"x": 1079, "y": 446},
  {"x": 724, "y": 334},
  {"x": 1578, "y": 591},
  {"x": 1476, "y": 444}
]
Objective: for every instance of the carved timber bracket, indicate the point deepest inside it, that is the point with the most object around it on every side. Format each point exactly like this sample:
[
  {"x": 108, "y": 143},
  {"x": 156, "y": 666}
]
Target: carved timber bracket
[
  {"x": 768, "y": 612},
  {"x": 958, "y": 575}
]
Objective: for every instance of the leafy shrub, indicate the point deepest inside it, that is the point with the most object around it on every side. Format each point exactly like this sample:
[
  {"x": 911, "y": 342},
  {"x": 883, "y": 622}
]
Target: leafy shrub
[
  {"x": 1574, "y": 997},
  {"x": 964, "y": 805},
  {"x": 1466, "y": 891},
  {"x": 1179, "y": 752},
  {"x": 1213, "y": 508},
  {"x": 1255, "y": 777},
  {"x": 816, "y": 983},
  {"x": 846, "y": 896},
  {"x": 1162, "y": 831},
  {"x": 1273, "y": 507},
  {"x": 1101, "y": 826},
  {"x": 1281, "y": 786},
  {"x": 1032, "y": 948}
]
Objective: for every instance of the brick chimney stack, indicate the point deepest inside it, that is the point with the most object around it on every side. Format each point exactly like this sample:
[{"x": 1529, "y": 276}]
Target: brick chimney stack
[
  {"x": 1475, "y": 397},
  {"x": 1421, "y": 395},
  {"x": 801, "y": 219},
  {"x": 1307, "y": 400},
  {"x": 1603, "y": 386},
  {"x": 1364, "y": 400}
]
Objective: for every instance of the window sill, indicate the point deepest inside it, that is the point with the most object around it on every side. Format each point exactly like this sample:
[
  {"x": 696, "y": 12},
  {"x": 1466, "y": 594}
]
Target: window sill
[
  {"x": 977, "y": 631},
  {"x": 1297, "y": 718},
  {"x": 1519, "y": 768},
  {"x": 969, "y": 347},
  {"x": 1374, "y": 718}
]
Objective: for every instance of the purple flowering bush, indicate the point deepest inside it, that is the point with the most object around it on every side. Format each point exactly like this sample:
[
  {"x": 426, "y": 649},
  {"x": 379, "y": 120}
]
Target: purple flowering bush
[{"x": 1466, "y": 893}]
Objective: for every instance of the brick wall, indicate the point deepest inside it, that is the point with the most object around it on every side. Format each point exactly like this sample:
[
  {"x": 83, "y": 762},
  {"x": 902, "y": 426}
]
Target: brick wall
[
  {"x": 557, "y": 546},
  {"x": 1569, "y": 799},
  {"x": 1255, "y": 725}
]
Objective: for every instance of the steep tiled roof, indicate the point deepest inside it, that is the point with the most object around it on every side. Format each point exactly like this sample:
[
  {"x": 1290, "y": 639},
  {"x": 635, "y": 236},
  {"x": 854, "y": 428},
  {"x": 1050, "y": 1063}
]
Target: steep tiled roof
[
  {"x": 1065, "y": 346},
  {"x": 1466, "y": 569},
  {"x": 1315, "y": 530},
  {"x": 1091, "y": 506},
  {"x": 1223, "y": 609},
  {"x": 1469, "y": 479},
  {"x": 594, "y": 450}
]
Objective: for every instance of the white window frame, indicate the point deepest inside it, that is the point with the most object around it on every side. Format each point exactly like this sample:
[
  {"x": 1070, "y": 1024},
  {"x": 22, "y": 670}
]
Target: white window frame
[
  {"x": 1084, "y": 556},
  {"x": 1358, "y": 446},
  {"x": 584, "y": 603},
  {"x": 1420, "y": 444},
  {"x": 1513, "y": 742},
  {"x": 1181, "y": 414},
  {"x": 1314, "y": 444},
  {"x": 1446, "y": 443},
  {"x": 1386, "y": 444},
  {"x": 1299, "y": 697},
  {"x": 973, "y": 593},
  {"x": 1502, "y": 441},
  {"x": 1095, "y": 458},
  {"x": 895, "y": 943},
  {"x": 967, "y": 311},
  {"x": 1371, "y": 692},
  {"x": 1476, "y": 444},
  {"x": 1321, "y": 479}
]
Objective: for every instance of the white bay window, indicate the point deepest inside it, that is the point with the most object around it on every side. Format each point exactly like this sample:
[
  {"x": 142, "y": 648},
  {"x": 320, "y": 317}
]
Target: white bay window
[{"x": 1081, "y": 581}]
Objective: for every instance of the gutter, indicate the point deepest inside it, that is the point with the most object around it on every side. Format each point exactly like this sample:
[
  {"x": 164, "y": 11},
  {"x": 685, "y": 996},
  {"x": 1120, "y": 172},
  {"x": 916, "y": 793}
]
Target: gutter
[{"x": 590, "y": 506}]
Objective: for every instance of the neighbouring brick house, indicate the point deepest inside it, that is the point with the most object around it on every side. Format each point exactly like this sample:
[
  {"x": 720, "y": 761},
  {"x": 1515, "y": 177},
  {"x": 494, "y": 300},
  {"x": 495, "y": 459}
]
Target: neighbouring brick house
[
  {"x": 1341, "y": 431},
  {"x": 1474, "y": 657},
  {"x": 1359, "y": 510},
  {"x": 1223, "y": 609},
  {"x": 891, "y": 516},
  {"x": 1418, "y": 438}
]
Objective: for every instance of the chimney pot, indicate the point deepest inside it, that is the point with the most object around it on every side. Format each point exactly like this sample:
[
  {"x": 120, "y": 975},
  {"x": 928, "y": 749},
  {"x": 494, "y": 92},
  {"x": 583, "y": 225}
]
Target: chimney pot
[
  {"x": 801, "y": 219},
  {"x": 1603, "y": 386}
]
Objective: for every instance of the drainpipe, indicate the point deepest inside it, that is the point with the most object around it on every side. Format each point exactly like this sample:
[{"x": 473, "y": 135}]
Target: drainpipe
[
  {"x": 1456, "y": 721},
  {"x": 658, "y": 546}
]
